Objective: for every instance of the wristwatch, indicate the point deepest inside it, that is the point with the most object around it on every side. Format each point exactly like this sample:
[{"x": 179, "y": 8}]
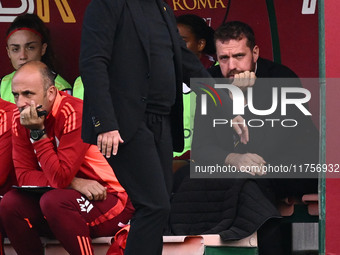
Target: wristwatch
[{"x": 36, "y": 134}]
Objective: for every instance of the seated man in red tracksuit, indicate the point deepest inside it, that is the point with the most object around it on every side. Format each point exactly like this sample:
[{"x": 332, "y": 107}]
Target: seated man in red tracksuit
[{"x": 87, "y": 201}]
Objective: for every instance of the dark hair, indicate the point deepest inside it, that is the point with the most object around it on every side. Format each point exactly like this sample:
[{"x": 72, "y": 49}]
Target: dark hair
[
  {"x": 32, "y": 21},
  {"x": 235, "y": 30},
  {"x": 200, "y": 29}
]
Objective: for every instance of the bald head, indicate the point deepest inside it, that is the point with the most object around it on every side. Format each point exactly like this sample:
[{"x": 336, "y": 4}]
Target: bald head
[
  {"x": 34, "y": 81},
  {"x": 34, "y": 69}
]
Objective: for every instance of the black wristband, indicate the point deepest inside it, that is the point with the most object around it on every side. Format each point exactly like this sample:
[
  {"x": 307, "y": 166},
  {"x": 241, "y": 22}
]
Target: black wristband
[{"x": 36, "y": 134}]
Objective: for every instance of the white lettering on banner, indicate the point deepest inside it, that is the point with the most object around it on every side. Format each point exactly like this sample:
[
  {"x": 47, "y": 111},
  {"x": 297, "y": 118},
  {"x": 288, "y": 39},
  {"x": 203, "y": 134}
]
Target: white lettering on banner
[
  {"x": 9, "y": 14},
  {"x": 43, "y": 10},
  {"x": 208, "y": 20},
  {"x": 308, "y": 7},
  {"x": 197, "y": 4}
]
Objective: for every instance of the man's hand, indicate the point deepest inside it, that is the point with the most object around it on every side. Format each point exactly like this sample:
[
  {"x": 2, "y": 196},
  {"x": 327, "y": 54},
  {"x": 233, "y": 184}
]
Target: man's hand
[
  {"x": 29, "y": 117},
  {"x": 108, "y": 142},
  {"x": 240, "y": 127},
  {"x": 92, "y": 189},
  {"x": 248, "y": 162},
  {"x": 244, "y": 80}
]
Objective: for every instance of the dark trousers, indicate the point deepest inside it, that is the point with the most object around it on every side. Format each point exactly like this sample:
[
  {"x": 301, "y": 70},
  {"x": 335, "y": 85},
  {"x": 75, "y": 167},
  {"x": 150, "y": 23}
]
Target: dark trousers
[
  {"x": 143, "y": 166},
  {"x": 61, "y": 213}
]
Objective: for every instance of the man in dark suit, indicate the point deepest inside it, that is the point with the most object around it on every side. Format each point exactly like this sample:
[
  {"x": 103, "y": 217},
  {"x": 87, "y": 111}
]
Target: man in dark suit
[{"x": 133, "y": 63}]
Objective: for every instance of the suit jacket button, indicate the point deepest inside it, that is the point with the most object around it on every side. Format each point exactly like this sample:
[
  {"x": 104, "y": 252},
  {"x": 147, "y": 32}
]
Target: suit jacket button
[
  {"x": 148, "y": 75},
  {"x": 143, "y": 99}
]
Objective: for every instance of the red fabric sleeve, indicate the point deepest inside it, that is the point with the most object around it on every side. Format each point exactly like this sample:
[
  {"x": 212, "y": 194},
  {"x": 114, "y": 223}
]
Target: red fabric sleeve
[
  {"x": 5, "y": 155},
  {"x": 60, "y": 165},
  {"x": 55, "y": 160},
  {"x": 6, "y": 166},
  {"x": 26, "y": 165}
]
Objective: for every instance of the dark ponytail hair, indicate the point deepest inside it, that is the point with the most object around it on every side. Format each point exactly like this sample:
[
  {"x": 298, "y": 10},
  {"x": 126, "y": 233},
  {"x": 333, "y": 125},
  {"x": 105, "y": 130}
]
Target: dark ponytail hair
[{"x": 200, "y": 29}]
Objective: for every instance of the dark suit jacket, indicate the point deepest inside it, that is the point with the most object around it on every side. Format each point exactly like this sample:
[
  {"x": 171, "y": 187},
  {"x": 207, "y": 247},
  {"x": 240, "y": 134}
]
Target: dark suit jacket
[{"x": 115, "y": 68}]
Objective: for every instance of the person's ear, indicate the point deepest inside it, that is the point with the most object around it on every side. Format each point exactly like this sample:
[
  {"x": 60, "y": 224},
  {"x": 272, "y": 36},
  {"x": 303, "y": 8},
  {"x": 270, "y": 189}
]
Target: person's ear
[
  {"x": 43, "y": 49},
  {"x": 201, "y": 44},
  {"x": 51, "y": 93},
  {"x": 8, "y": 54},
  {"x": 256, "y": 53}
]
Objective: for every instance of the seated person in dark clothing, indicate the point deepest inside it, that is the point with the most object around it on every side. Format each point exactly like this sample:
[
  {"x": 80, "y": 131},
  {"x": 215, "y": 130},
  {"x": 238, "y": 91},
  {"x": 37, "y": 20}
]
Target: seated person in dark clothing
[
  {"x": 238, "y": 57},
  {"x": 198, "y": 36},
  {"x": 236, "y": 207},
  {"x": 199, "y": 39}
]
